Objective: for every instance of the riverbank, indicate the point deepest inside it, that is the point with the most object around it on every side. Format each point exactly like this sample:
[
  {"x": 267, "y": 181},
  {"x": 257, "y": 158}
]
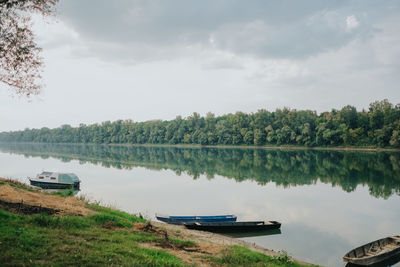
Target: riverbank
[
  {"x": 38, "y": 228},
  {"x": 266, "y": 147}
]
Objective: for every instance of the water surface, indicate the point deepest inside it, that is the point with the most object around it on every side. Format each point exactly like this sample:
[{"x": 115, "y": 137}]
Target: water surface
[{"x": 328, "y": 201}]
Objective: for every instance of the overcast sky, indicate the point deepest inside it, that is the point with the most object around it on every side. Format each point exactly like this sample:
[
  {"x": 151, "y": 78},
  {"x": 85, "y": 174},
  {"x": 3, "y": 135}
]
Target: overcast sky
[{"x": 145, "y": 60}]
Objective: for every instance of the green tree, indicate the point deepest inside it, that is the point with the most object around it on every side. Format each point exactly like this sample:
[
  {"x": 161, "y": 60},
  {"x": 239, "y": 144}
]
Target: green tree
[{"x": 349, "y": 116}]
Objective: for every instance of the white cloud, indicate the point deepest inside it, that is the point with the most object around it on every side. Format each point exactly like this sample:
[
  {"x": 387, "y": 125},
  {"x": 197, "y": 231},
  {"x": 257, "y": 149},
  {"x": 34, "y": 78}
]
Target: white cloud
[
  {"x": 352, "y": 23},
  {"x": 259, "y": 28}
]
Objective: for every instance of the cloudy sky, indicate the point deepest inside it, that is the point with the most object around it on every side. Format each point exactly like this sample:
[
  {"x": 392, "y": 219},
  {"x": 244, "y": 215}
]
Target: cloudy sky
[{"x": 145, "y": 60}]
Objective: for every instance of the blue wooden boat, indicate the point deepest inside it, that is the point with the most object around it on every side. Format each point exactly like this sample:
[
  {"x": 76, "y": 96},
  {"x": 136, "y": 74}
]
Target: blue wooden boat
[{"x": 193, "y": 219}]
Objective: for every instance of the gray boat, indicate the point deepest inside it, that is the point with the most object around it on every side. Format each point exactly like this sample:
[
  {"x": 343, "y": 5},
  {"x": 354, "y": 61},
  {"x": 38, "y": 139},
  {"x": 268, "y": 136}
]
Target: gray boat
[{"x": 374, "y": 252}]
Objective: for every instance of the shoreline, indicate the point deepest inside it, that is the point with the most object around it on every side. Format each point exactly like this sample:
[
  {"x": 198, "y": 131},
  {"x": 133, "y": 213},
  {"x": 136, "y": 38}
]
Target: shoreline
[
  {"x": 190, "y": 246},
  {"x": 197, "y": 146}
]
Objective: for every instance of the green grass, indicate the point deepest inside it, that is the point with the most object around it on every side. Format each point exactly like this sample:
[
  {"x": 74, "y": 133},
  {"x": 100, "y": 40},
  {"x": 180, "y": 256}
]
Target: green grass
[
  {"x": 241, "y": 256},
  {"x": 64, "y": 193},
  {"x": 77, "y": 240}
]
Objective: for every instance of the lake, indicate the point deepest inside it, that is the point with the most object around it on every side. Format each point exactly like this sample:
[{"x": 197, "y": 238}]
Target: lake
[{"x": 327, "y": 201}]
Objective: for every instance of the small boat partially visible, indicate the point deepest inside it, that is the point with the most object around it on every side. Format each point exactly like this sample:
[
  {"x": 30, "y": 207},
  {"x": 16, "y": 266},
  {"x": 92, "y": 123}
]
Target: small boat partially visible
[
  {"x": 234, "y": 227},
  {"x": 192, "y": 219},
  {"x": 374, "y": 252},
  {"x": 55, "y": 180}
]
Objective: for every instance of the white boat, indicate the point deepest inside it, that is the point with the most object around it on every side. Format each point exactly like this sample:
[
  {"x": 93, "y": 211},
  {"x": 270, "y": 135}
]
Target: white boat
[{"x": 55, "y": 180}]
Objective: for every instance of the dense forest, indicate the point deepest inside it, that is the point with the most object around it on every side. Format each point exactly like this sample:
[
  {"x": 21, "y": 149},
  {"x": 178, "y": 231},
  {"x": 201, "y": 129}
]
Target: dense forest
[
  {"x": 379, "y": 126},
  {"x": 346, "y": 169}
]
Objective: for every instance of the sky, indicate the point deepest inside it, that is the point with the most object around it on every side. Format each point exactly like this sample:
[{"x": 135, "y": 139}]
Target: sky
[{"x": 146, "y": 60}]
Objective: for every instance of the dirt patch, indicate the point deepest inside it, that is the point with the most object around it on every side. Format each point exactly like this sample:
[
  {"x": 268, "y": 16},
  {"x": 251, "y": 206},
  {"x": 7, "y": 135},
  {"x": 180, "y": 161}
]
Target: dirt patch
[
  {"x": 23, "y": 209},
  {"x": 206, "y": 243},
  {"x": 189, "y": 258},
  {"x": 165, "y": 235},
  {"x": 191, "y": 254},
  {"x": 210, "y": 242},
  {"x": 26, "y": 202}
]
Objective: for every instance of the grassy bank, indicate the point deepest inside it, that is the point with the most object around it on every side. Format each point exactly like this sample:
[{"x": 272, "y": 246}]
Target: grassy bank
[{"x": 103, "y": 238}]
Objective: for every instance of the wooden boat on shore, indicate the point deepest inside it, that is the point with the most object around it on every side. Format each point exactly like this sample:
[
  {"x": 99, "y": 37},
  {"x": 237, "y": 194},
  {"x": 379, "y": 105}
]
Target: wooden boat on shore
[
  {"x": 234, "y": 227},
  {"x": 55, "y": 180},
  {"x": 374, "y": 252},
  {"x": 193, "y": 219}
]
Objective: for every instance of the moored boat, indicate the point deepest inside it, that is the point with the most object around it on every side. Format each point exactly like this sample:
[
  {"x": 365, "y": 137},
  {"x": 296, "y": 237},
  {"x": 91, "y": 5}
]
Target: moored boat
[
  {"x": 55, "y": 180},
  {"x": 374, "y": 252},
  {"x": 232, "y": 227},
  {"x": 192, "y": 219}
]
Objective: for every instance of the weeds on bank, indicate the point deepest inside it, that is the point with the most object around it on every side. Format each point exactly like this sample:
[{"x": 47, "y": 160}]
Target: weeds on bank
[
  {"x": 64, "y": 192},
  {"x": 241, "y": 256}
]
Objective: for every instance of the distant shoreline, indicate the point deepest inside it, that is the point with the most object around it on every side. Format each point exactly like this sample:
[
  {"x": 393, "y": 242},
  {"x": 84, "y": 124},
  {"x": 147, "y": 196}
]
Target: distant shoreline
[{"x": 266, "y": 147}]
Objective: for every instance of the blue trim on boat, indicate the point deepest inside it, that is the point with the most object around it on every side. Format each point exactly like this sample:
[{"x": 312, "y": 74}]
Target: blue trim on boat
[
  {"x": 193, "y": 219},
  {"x": 54, "y": 185}
]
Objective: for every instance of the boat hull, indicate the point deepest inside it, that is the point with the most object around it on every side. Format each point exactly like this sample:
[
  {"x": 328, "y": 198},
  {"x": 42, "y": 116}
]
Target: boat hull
[
  {"x": 364, "y": 255},
  {"x": 193, "y": 219},
  {"x": 244, "y": 234},
  {"x": 47, "y": 185},
  {"x": 234, "y": 227}
]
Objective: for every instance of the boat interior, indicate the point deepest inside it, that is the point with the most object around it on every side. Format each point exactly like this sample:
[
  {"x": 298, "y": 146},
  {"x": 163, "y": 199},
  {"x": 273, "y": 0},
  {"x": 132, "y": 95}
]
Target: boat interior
[{"x": 375, "y": 248}]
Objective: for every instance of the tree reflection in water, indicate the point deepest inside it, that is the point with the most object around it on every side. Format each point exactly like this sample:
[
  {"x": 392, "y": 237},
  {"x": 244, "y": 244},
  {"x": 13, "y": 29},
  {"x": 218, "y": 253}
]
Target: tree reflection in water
[{"x": 380, "y": 171}]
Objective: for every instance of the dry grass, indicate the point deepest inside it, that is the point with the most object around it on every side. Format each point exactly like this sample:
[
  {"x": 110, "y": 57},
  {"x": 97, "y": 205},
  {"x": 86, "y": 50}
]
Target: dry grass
[{"x": 61, "y": 205}]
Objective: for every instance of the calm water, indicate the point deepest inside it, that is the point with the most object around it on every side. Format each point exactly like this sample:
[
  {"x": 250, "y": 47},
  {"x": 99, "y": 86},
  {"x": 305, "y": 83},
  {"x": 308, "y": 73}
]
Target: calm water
[{"x": 328, "y": 202}]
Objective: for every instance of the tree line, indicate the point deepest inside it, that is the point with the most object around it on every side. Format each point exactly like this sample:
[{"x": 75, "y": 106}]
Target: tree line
[
  {"x": 346, "y": 169},
  {"x": 379, "y": 126}
]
